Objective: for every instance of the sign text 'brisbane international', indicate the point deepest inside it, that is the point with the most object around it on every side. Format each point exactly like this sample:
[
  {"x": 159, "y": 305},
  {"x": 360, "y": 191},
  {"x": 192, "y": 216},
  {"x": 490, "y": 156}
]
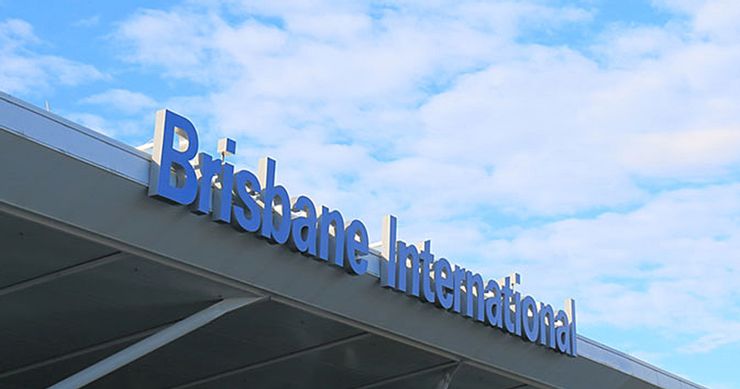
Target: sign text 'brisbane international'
[{"x": 256, "y": 204}]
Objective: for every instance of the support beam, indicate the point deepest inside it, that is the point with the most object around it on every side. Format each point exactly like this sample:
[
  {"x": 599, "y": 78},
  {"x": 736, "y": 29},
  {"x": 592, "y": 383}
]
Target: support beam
[
  {"x": 446, "y": 380},
  {"x": 153, "y": 342},
  {"x": 67, "y": 271},
  {"x": 272, "y": 361},
  {"x": 405, "y": 376},
  {"x": 83, "y": 351}
]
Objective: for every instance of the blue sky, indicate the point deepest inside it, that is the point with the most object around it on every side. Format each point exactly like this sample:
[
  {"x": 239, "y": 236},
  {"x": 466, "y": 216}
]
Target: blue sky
[{"x": 590, "y": 145}]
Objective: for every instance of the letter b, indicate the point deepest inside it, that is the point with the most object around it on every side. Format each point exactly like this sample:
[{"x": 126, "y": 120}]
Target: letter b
[{"x": 167, "y": 157}]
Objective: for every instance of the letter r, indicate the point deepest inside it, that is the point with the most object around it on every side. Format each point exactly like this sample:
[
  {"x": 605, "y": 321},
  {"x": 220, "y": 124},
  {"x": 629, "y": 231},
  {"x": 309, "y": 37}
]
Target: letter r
[{"x": 166, "y": 157}]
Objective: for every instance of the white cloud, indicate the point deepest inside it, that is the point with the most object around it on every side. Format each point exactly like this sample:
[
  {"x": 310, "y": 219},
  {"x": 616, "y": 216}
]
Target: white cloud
[
  {"x": 717, "y": 19},
  {"x": 91, "y": 121},
  {"x": 15, "y": 32},
  {"x": 90, "y": 21},
  {"x": 123, "y": 100},
  {"x": 648, "y": 267},
  {"x": 23, "y": 70},
  {"x": 717, "y": 337},
  {"x": 701, "y": 154}
]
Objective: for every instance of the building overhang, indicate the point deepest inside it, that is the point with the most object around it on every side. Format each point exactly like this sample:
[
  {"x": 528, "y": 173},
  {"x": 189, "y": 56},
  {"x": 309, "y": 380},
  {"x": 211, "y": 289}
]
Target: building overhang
[{"x": 92, "y": 265}]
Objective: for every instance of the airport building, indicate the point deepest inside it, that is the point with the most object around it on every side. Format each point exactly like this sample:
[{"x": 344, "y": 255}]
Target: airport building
[{"x": 164, "y": 267}]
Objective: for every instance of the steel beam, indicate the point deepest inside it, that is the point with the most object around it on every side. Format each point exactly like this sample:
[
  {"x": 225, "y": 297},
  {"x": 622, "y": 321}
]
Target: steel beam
[
  {"x": 272, "y": 361},
  {"x": 415, "y": 373},
  {"x": 67, "y": 271},
  {"x": 83, "y": 351},
  {"x": 446, "y": 380},
  {"x": 153, "y": 342}
]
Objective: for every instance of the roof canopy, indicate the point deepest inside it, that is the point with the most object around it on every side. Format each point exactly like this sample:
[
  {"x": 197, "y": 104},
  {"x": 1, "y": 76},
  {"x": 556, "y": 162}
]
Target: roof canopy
[{"x": 91, "y": 266}]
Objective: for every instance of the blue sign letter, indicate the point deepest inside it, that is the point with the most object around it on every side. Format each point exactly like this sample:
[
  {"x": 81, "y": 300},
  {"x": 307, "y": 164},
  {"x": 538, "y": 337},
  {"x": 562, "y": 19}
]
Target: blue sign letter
[{"x": 167, "y": 157}]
